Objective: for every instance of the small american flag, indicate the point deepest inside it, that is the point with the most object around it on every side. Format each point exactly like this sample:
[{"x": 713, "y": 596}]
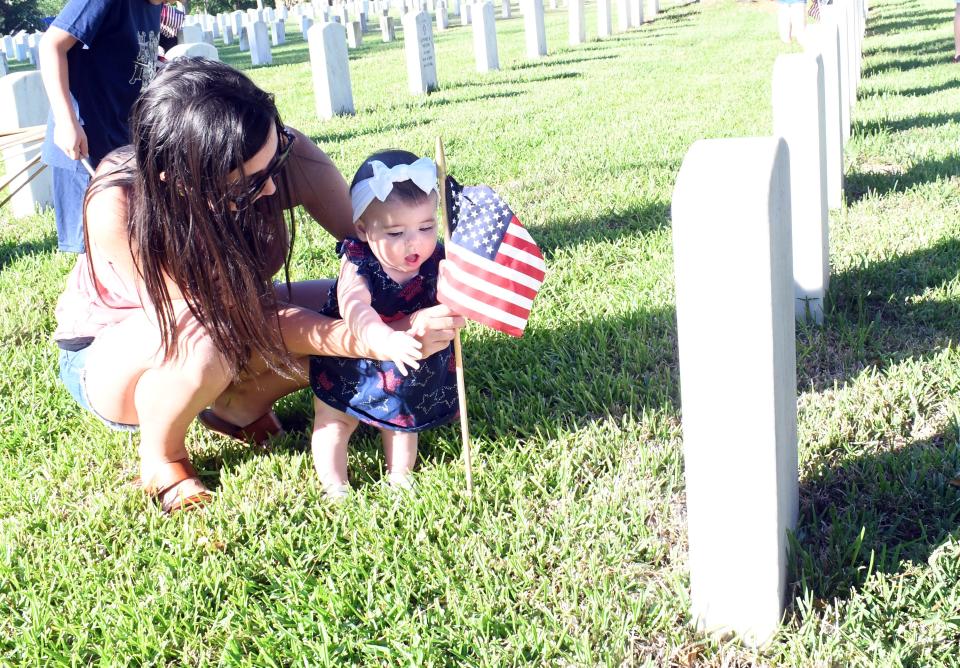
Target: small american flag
[
  {"x": 497, "y": 268},
  {"x": 171, "y": 19}
]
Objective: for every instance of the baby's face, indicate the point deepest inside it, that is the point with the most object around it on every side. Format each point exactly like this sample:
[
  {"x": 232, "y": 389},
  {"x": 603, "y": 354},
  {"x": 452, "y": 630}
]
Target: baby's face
[{"x": 401, "y": 235}]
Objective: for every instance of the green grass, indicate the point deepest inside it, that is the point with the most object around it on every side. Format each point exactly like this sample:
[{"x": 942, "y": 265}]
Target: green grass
[{"x": 572, "y": 551}]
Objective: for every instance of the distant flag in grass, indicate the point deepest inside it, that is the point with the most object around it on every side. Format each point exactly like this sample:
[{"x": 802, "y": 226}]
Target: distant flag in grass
[{"x": 496, "y": 267}]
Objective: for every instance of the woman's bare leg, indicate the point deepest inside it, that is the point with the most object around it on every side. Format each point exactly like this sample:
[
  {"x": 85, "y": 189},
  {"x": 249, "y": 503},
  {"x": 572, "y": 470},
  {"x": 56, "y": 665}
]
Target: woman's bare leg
[{"x": 127, "y": 380}]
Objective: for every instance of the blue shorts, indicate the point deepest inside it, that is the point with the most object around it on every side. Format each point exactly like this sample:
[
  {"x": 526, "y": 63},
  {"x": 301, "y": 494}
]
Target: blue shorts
[
  {"x": 73, "y": 365},
  {"x": 69, "y": 188}
]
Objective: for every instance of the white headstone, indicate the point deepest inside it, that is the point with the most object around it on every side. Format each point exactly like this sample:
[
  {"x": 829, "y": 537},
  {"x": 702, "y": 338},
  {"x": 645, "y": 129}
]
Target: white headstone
[
  {"x": 731, "y": 234},
  {"x": 278, "y": 32},
  {"x": 653, "y": 9},
  {"x": 227, "y": 34},
  {"x": 216, "y": 29},
  {"x": 243, "y": 43},
  {"x": 8, "y": 47},
  {"x": 636, "y": 13},
  {"x": 305, "y": 23},
  {"x": 833, "y": 14},
  {"x": 4, "y": 67},
  {"x": 623, "y": 15},
  {"x": 485, "y": 37},
  {"x": 354, "y": 35},
  {"x": 259, "y": 44},
  {"x": 604, "y": 26},
  {"x": 420, "y": 56},
  {"x": 823, "y": 39},
  {"x": 199, "y": 50},
  {"x": 505, "y": 9},
  {"x": 798, "y": 117},
  {"x": 387, "y": 30},
  {"x": 329, "y": 64},
  {"x": 443, "y": 21},
  {"x": 33, "y": 55},
  {"x": 208, "y": 37},
  {"x": 533, "y": 28},
  {"x": 25, "y": 104},
  {"x": 236, "y": 20},
  {"x": 190, "y": 34},
  {"x": 466, "y": 12},
  {"x": 578, "y": 23},
  {"x": 20, "y": 46}
]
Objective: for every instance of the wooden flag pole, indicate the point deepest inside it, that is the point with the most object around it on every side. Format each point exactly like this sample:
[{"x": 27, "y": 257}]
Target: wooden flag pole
[
  {"x": 29, "y": 179},
  {"x": 457, "y": 351}
]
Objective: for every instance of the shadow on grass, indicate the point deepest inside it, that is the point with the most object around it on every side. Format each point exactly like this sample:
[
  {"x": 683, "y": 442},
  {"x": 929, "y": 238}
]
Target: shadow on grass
[
  {"x": 875, "y": 319},
  {"x": 10, "y": 251},
  {"x": 561, "y": 59},
  {"x": 877, "y": 512},
  {"x": 930, "y": 46},
  {"x": 335, "y": 137},
  {"x": 874, "y": 514},
  {"x": 556, "y": 76},
  {"x": 607, "y": 226},
  {"x": 887, "y": 179},
  {"x": 917, "y": 91},
  {"x": 913, "y": 22},
  {"x": 905, "y": 64}
]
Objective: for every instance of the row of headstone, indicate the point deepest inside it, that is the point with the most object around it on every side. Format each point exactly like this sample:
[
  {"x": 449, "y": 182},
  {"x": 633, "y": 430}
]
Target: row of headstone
[
  {"x": 21, "y": 47},
  {"x": 750, "y": 219}
]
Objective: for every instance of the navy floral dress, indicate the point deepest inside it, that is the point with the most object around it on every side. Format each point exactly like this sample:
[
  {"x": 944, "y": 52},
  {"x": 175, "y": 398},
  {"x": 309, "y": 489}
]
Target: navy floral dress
[{"x": 373, "y": 391}]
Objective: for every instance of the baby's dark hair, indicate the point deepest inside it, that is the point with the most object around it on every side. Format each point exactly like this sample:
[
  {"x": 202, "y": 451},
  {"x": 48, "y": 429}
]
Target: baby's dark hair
[{"x": 405, "y": 191}]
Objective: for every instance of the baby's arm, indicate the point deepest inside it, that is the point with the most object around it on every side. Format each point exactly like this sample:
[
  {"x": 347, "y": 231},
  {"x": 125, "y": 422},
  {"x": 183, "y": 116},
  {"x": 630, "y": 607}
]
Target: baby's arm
[{"x": 354, "y": 298}]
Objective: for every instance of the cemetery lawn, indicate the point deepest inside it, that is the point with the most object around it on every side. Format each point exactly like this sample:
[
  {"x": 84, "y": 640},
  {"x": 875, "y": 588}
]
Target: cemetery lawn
[{"x": 572, "y": 549}]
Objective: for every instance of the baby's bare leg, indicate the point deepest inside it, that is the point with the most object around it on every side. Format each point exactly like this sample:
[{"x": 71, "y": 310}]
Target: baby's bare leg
[
  {"x": 400, "y": 451},
  {"x": 331, "y": 432}
]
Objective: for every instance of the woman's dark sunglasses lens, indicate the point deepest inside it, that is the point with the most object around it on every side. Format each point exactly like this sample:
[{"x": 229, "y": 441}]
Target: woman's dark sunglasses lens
[{"x": 278, "y": 162}]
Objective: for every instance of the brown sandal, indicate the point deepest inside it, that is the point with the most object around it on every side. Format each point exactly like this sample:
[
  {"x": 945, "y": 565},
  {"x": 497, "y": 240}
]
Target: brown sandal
[
  {"x": 259, "y": 431},
  {"x": 173, "y": 474}
]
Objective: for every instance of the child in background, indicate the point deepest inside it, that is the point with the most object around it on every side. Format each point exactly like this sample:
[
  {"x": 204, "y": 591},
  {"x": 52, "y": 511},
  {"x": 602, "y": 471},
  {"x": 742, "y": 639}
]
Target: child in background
[
  {"x": 389, "y": 271},
  {"x": 95, "y": 58},
  {"x": 791, "y": 19}
]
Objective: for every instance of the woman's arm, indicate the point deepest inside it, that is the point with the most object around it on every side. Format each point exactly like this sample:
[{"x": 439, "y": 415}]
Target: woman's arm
[
  {"x": 68, "y": 135},
  {"x": 315, "y": 182}
]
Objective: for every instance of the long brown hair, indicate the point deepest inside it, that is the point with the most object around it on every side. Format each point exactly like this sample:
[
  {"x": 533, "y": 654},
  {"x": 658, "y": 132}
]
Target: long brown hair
[{"x": 197, "y": 121}]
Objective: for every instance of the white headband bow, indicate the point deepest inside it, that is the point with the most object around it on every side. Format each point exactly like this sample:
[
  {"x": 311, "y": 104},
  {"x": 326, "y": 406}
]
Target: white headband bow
[{"x": 422, "y": 172}]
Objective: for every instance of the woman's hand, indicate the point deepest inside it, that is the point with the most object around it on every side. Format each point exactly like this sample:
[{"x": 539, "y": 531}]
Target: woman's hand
[{"x": 434, "y": 328}]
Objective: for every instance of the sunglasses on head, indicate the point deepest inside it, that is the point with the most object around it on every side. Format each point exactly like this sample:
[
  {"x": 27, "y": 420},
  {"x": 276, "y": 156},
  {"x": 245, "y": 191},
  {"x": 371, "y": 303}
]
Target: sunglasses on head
[{"x": 257, "y": 180}]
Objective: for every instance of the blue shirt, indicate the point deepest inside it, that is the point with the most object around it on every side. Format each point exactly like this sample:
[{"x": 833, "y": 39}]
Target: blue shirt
[{"x": 115, "y": 59}]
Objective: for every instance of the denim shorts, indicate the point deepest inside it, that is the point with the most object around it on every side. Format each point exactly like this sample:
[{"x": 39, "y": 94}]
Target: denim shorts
[{"x": 73, "y": 374}]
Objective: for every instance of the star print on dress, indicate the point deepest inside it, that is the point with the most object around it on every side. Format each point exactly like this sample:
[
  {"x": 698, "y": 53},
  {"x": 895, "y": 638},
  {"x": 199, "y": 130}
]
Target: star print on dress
[{"x": 444, "y": 397}]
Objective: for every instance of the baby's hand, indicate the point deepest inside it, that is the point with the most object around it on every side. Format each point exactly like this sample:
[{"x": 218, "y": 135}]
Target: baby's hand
[{"x": 404, "y": 350}]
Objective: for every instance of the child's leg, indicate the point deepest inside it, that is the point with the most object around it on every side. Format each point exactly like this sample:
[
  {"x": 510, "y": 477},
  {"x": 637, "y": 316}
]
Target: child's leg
[
  {"x": 400, "y": 451},
  {"x": 783, "y": 21},
  {"x": 331, "y": 432},
  {"x": 798, "y": 21}
]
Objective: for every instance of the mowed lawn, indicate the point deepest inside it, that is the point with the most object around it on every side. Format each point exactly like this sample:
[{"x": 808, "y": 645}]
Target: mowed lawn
[{"x": 572, "y": 549}]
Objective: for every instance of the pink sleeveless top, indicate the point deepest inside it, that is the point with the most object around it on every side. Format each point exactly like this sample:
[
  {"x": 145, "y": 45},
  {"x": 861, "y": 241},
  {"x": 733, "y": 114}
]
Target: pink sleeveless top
[{"x": 85, "y": 308}]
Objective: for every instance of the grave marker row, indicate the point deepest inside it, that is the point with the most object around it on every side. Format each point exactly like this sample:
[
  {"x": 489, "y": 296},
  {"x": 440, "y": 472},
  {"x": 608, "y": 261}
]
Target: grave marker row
[{"x": 751, "y": 215}]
